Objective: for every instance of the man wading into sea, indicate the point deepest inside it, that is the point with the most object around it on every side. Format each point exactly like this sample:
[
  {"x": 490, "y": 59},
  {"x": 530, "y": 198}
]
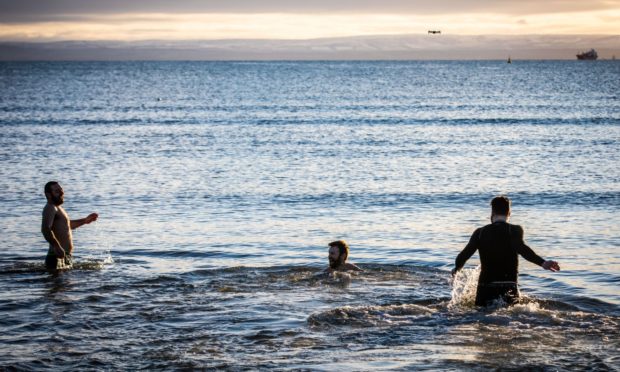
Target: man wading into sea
[
  {"x": 56, "y": 228},
  {"x": 499, "y": 245},
  {"x": 338, "y": 254}
]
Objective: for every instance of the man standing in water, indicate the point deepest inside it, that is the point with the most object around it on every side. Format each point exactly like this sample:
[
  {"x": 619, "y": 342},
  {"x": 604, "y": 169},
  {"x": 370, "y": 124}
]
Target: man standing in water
[
  {"x": 499, "y": 245},
  {"x": 338, "y": 254},
  {"x": 56, "y": 228}
]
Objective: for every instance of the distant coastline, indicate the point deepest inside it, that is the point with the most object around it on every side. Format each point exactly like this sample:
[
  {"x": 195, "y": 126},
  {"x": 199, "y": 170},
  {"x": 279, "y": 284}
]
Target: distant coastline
[{"x": 390, "y": 47}]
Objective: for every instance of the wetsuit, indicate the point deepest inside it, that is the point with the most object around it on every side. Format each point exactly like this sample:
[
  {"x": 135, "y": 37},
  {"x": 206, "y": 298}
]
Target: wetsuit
[{"x": 499, "y": 245}]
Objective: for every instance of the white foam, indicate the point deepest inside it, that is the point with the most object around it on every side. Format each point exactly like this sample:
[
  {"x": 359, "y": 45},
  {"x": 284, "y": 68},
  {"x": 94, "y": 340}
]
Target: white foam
[{"x": 464, "y": 286}]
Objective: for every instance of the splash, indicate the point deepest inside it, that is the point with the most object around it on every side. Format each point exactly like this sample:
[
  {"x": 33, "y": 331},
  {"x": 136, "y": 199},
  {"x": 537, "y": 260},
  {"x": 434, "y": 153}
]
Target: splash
[
  {"x": 103, "y": 255},
  {"x": 464, "y": 286},
  {"x": 92, "y": 263}
]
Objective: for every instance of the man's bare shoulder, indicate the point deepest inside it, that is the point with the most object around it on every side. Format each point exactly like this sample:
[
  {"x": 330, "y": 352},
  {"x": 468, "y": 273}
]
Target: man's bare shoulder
[
  {"x": 49, "y": 209},
  {"x": 351, "y": 267},
  {"x": 343, "y": 268},
  {"x": 49, "y": 215}
]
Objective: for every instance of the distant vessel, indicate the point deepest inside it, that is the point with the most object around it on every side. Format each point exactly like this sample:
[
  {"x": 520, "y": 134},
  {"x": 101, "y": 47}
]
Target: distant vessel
[
  {"x": 434, "y": 31},
  {"x": 589, "y": 56},
  {"x": 509, "y": 60}
]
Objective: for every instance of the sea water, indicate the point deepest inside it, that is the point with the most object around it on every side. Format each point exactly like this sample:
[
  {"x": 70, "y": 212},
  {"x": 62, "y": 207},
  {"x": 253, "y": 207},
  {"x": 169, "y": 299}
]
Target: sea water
[{"x": 219, "y": 185}]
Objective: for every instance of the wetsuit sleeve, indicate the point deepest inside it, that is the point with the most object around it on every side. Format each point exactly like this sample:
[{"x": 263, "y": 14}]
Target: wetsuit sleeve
[
  {"x": 468, "y": 251},
  {"x": 523, "y": 249}
]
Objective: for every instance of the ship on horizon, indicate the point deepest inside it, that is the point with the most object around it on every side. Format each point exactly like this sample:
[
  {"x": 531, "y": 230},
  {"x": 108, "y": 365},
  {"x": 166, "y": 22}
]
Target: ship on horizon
[{"x": 588, "y": 56}]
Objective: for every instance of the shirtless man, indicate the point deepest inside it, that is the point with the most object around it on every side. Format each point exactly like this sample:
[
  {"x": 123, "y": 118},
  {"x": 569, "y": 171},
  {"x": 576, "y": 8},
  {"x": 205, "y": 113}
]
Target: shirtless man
[
  {"x": 338, "y": 254},
  {"x": 499, "y": 245},
  {"x": 56, "y": 228}
]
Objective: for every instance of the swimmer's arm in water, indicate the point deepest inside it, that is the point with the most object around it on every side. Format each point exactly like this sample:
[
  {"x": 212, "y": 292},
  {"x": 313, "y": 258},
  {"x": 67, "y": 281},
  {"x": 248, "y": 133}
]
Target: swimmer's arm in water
[
  {"x": 49, "y": 213},
  {"x": 467, "y": 252},
  {"x": 84, "y": 221},
  {"x": 352, "y": 267},
  {"x": 529, "y": 254}
]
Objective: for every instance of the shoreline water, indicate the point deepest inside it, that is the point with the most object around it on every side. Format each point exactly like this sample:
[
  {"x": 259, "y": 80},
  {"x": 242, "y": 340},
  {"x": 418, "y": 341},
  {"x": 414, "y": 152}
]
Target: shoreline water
[{"x": 283, "y": 317}]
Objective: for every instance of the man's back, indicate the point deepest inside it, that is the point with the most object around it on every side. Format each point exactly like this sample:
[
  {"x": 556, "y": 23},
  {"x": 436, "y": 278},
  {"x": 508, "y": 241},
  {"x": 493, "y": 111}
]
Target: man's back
[
  {"x": 499, "y": 245},
  {"x": 498, "y": 257}
]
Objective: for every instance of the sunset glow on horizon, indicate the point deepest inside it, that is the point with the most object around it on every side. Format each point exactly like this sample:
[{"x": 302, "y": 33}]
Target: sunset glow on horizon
[{"x": 125, "y": 25}]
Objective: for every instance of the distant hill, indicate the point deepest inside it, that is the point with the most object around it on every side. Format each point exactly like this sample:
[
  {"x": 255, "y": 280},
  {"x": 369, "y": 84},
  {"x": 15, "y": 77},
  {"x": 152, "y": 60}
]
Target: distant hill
[{"x": 392, "y": 47}]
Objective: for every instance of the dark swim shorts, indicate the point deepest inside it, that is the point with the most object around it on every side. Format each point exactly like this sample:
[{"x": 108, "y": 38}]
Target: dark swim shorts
[
  {"x": 487, "y": 293},
  {"x": 51, "y": 261}
]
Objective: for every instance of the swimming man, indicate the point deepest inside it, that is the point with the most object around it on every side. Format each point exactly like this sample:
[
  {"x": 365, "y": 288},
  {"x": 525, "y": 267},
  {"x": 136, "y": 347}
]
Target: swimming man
[
  {"x": 56, "y": 228},
  {"x": 499, "y": 245},
  {"x": 338, "y": 254}
]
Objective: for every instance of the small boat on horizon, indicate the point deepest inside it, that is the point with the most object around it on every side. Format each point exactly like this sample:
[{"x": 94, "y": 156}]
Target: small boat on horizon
[
  {"x": 509, "y": 60},
  {"x": 588, "y": 56}
]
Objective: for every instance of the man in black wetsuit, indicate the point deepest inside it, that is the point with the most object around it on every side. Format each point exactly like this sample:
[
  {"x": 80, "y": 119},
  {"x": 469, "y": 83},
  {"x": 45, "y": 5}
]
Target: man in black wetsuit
[{"x": 499, "y": 245}]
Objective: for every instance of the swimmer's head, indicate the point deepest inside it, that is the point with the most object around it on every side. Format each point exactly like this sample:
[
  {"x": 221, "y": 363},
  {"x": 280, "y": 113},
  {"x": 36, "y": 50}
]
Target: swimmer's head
[
  {"x": 500, "y": 206},
  {"x": 54, "y": 193},
  {"x": 338, "y": 253}
]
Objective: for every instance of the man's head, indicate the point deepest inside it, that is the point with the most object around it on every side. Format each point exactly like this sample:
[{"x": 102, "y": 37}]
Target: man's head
[
  {"x": 500, "y": 206},
  {"x": 54, "y": 193},
  {"x": 338, "y": 253}
]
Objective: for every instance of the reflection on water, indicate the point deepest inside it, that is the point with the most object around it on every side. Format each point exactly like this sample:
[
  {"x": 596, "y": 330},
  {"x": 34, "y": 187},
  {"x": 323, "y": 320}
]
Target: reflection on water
[{"x": 216, "y": 204}]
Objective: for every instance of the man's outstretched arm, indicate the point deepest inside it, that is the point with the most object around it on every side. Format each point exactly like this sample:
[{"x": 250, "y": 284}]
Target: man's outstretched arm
[
  {"x": 529, "y": 254},
  {"x": 467, "y": 252},
  {"x": 84, "y": 221}
]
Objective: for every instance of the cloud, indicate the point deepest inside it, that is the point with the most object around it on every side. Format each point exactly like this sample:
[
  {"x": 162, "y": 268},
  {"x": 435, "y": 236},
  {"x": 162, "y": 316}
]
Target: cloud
[
  {"x": 28, "y": 11},
  {"x": 301, "y": 26},
  {"x": 53, "y": 20}
]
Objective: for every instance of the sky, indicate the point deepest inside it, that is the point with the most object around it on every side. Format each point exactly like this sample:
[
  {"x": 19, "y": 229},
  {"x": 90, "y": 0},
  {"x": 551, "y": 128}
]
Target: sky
[{"x": 134, "y": 20}]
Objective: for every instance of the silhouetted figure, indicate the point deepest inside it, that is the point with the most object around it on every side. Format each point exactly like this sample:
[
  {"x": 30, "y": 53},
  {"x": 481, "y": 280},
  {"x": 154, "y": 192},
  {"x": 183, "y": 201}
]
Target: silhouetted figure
[
  {"x": 499, "y": 245},
  {"x": 56, "y": 228}
]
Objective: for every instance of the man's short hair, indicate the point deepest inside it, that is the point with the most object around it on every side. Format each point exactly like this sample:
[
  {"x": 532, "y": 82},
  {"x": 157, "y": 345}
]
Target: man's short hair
[
  {"x": 48, "y": 186},
  {"x": 500, "y": 205},
  {"x": 343, "y": 248}
]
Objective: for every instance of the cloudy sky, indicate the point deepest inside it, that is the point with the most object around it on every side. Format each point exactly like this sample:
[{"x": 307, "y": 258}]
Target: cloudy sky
[{"x": 131, "y": 20}]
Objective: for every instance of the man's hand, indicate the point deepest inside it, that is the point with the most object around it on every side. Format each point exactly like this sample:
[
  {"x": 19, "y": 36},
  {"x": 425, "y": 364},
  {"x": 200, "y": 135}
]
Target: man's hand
[
  {"x": 91, "y": 218},
  {"x": 551, "y": 266},
  {"x": 454, "y": 271},
  {"x": 60, "y": 253}
]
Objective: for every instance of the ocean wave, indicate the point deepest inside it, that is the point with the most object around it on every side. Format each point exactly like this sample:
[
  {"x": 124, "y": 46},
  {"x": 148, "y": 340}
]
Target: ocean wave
[
  {"x": 333, "y": 121},
  {"x": 592, "y": 199},
  {"x": 270, "y": 316},
  {"x": 368, "y": 316}
]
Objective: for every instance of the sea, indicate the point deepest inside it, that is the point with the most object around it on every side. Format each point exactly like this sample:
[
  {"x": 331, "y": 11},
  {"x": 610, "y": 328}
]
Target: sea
[{"x": 220, "y": 184}]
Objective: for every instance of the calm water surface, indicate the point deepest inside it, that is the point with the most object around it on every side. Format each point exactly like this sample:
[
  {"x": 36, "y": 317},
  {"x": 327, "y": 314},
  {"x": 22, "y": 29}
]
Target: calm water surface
[{"x": 219, "y": 185}]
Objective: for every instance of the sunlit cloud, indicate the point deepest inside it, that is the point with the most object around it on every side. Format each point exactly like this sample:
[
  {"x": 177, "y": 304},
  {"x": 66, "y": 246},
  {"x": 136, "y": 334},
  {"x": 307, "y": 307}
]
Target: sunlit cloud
[{"x": 148, "y": 26}]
